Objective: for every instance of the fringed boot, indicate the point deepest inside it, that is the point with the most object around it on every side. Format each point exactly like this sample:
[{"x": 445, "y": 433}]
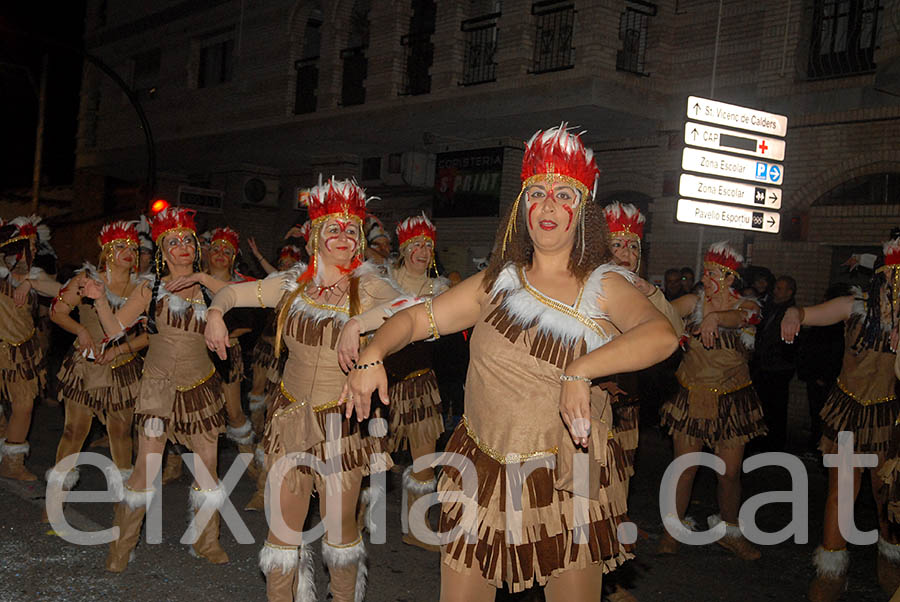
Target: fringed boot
[
  {"x": 58, "y": 484},
  {"x": 206, "y": 542},
  {"x": 242, "y": 436},
  {"x": 413, "y": 489},
  {"x": 831, "y": 575},
  {"x": 734, "y": 540},
  {"x": 668, "y": 545},
  {"x": 258, "y": 501},
  {"x": 347, "y": 567},
  {"x": 12, "y": 461},
  {"x": 129, "y": 516}
]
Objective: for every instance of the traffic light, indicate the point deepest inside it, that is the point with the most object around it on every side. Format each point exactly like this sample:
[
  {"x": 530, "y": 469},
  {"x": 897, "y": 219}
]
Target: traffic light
[{"x": 157, "y": 206}]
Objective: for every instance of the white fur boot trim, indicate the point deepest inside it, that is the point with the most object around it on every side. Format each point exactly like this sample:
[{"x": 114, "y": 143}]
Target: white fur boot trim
[
  {"x": 347, "y": 555},
  {"x": 273, "y": 557},
  {"x": 678, "y": 527},
  {"x": 371, "y": 497},
  {"x": 831, "y": 563},
  {"x": 257, "y": 402},
  {"x": 68, "y": 480},
  {"x": 890, "y": 551},
  {"x": 242, "y": 435},
  {"x": 196, "y": 499},
  {"x": 259, "y": 454},
  {"x": 115, "y": 478},
  {"x": 15, "y": 449},
  {"x": 416, "y": 486},
  {"x": 306, "y": 580},
  {"x": 730, "y": 530},
  {"x": 137, "y": 497}
]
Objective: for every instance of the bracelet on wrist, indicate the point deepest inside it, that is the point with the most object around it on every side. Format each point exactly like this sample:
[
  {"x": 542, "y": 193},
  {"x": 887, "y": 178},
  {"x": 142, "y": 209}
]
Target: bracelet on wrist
[
  {"x": 367, "y": 366},
  {"x": 567, "y": 378}
]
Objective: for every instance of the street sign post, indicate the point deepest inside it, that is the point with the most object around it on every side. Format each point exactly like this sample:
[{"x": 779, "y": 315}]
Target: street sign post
[
  {"x": 732, "y": 141},
  {"x": 726, "y": 191},
  {"x": 744, "y": 118},
  {"x": 728, "y": 166},
  {"x": 726, "y": 216}
]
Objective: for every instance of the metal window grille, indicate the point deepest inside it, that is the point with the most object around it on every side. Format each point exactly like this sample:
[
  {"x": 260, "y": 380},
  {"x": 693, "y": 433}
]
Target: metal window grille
[
  {"x": 419, "y": 50},
  {"x": 554, "y": 35},
  {"x": 480, "y": 49},
  {"x": 844, "y": 37},
  {"x": 633, "y": 25},
  {"x": 305, "y": 99}
]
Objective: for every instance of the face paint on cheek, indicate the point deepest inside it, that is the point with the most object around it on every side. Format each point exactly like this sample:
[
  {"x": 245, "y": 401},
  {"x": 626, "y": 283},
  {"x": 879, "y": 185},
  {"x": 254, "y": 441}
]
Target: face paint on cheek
[
  {"x": 571, "y": 216},
  {"x": 530, "y": 212}
]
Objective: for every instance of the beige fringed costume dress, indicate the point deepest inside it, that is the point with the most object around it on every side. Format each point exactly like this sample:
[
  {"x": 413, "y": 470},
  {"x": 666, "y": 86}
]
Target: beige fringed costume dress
[
  {"x": 415, "y": 408},
  {"x": 864, "y": 399},
  {"x": 312, "y": 380},
  {"x": 104, "y": 389},
  {"x": 524, "y": 533},
  {"x": 20, "y": 351},
  {"x": 180, "y": 385},
  {"x": 716, "y": 404}
]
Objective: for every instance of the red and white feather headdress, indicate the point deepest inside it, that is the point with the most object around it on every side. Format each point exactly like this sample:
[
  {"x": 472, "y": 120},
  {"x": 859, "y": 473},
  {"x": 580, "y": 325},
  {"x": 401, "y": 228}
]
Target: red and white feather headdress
[
  {"x": 624, "y": 219},
  {"x": 722, "y": 255},
  {"x": 891, "y": 249},
  {"x": 29, "y": 227},
  {"x": 172, "y": 219},
  {"x": 415, "y": 226},
  {"x": 229, "y": 235},
  {"x": 290, "y": 252},
  {"x": 118, "y": 231},
  {"x": 305, "y": 229}
]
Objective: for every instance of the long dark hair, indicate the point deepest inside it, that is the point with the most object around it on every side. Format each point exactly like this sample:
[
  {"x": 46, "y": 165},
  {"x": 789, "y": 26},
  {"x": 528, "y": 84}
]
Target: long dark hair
[{"x": 520, "y": 249}]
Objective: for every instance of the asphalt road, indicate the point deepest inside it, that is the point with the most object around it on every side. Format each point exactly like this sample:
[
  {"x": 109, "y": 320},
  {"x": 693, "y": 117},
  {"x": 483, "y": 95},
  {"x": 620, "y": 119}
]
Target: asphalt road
[{"x": 36, "y": 564}]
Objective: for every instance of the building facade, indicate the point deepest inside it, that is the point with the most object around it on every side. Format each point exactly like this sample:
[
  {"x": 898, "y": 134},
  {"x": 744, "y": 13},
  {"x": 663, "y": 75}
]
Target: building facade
[{"x": 427, "y": 104}]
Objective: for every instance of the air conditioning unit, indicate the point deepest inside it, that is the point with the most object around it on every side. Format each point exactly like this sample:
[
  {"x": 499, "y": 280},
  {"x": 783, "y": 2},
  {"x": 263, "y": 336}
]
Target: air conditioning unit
[
  {"x": 417, "y": 169},
  {"x": 259, "y": 191}
]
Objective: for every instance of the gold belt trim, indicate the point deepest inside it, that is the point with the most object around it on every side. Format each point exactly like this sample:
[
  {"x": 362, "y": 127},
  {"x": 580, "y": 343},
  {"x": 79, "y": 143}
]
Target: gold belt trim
[
  {"x": 417, "y": 374},
  {"x": 864, "y": 402},
  {"x": 715, "y": 390},
  {"x": 23, "y": 341},
  {"x": 198, "y": 383},
  {"x": 501, "y": 457},
  {"x": 125, "y": 361},
  {"x": 300, "y": 404}
]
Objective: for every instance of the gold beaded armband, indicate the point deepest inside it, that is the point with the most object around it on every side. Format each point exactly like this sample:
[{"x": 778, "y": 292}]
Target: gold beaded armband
[{"x": 430, "y": 311}]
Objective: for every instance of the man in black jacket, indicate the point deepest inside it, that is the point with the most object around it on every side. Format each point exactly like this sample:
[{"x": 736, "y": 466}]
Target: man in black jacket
[{"x": 774, "y": 363}]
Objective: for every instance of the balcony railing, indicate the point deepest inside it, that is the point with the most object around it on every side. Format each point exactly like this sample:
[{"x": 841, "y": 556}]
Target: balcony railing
[
  {"x": 844, "y": 37},
  {"x": 554, "y": 35},
  {"x": 479, "y": 65},
  {"x": 633, "y": 26}
]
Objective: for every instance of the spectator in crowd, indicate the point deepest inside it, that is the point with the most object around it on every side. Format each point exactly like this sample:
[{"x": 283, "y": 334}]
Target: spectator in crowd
[
  {"x": 819, "y": 357},
  {"x": 762, "y": 282},
  {"x": 672, "y": 284},
  {"x": 773, "y": 364},
  {"x": 687, "y": 279}
]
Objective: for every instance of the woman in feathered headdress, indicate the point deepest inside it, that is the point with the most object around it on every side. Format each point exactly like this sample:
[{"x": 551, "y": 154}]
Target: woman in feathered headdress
[
  {"x": 313, "y": 303},
  {"x": 716, "y": 405},
  {"x": 550, "y": 316},
  {"x": 864, "y": 403},
  {"x": 21, "y": 375},
  {"x": 98, "y": 377},
  {"x": 415, "y": 408},
  {"x": 180, "y": 398}
]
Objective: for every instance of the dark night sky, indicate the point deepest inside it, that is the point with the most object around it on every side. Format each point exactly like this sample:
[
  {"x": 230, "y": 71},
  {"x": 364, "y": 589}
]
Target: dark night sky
[{"x": 22, "y": 25}]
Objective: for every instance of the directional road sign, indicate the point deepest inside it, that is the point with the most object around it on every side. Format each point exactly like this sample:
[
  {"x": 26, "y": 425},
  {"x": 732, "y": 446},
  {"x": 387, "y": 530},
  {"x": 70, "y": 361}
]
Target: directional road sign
[
  {"x": 744, "y": 118},
  {"x": 725, "y": 216},
  {"x": 703, "y": 161},
  {"x": 733, "y": 141},
  {"x": 725, "y": 191}
]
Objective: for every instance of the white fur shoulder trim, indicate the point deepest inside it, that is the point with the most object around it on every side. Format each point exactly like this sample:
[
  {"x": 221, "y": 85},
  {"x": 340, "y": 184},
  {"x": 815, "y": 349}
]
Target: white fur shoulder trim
[
  {"x": 177, "y": 305},
  {"x": 531, "y": 308},
  {"x": 859, "y": 302},
  {"x": 317, "y": 313}
]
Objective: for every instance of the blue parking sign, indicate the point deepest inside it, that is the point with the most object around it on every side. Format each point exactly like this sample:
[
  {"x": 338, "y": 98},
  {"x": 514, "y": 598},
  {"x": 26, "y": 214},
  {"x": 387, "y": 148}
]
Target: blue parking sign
[
  {"x": 761, "y": 169},
  {"x": 774, "y": 174}
]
